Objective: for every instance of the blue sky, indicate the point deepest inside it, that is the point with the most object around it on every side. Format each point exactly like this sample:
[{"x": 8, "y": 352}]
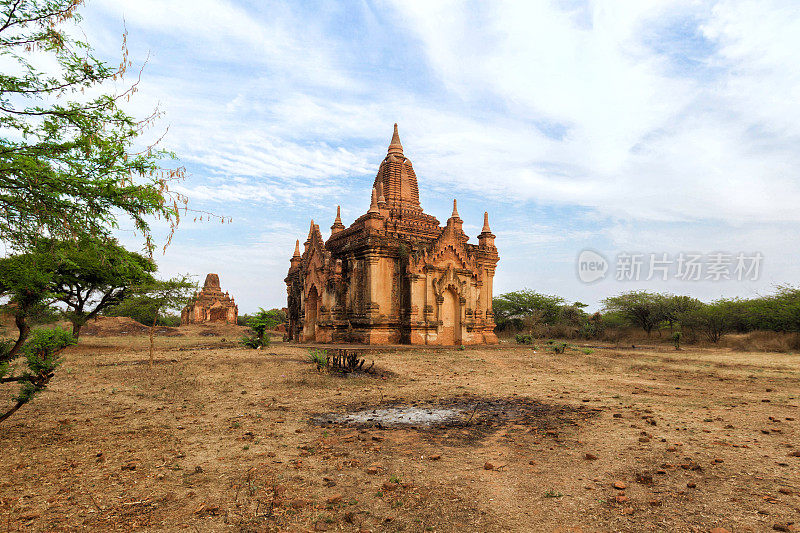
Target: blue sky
[{"x": 652, "y": 127}]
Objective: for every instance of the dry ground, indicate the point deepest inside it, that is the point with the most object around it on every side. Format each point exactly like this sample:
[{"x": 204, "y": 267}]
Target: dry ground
[{"x": 220, "y": 438}]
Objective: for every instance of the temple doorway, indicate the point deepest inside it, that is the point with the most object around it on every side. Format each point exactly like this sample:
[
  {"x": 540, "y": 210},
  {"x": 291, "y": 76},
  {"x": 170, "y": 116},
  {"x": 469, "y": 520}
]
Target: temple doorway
[
  {"x": 218, "y": 314},
  {"x": 451, "y": 318},
  {"x": 310, "y": 326}
]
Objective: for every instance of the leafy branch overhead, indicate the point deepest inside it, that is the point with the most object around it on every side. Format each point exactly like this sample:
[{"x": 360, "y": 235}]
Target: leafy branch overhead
[{"x": 68, "y": 166}]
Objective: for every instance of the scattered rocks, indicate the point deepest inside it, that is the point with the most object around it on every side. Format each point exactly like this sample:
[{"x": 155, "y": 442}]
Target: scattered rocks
[{"x": 299, "y": 503}]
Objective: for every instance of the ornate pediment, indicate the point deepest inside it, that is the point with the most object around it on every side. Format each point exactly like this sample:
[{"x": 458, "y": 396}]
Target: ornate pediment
[{"x": 449, "y": 279}]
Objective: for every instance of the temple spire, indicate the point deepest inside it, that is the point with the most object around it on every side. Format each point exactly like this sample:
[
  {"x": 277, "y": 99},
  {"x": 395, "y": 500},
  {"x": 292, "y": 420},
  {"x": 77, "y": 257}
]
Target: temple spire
[
  {"x": 486, "y": 223},
  {"x": 337, "y": 224},
  {"x": 297, "y": 248},
  {"x": 395, "y": 148},
  {"x": 455, "y": 210},
  {"x": 373, "y": 204}
]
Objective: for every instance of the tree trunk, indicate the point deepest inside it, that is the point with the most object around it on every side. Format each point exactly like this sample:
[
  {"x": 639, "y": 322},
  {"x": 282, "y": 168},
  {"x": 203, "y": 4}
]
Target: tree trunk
[
  {"x": 152, "y": 332},
  {"x": 24, "y": 330},
  {"x": 76, "y": 330}
]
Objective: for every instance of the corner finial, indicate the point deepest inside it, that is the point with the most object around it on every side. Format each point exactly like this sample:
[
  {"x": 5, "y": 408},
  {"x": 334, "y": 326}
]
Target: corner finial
[
  {"x": 486, "y": 223},
  {"x": 373, "y": 204},
  {"x": 297, "y": 248},
  {"x": 395, "y": 147},
  {"x": 381, "y": 197},
  {"x": 311, "y": 230},
  {"x": 455, "y": 210}
]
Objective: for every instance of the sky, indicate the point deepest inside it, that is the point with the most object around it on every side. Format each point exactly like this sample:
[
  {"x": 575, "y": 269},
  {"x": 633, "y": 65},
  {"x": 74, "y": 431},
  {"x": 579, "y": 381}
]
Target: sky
[{"x": 631, "y": 129}]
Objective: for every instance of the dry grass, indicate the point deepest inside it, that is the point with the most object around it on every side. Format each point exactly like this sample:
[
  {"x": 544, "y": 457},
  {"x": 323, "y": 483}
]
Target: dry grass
[{"x": 219, "y": 438}]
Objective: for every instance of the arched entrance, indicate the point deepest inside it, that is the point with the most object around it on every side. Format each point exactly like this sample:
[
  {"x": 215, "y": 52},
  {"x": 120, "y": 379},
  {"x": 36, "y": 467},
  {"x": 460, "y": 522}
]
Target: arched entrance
[
  {"x": 218, "y": 314},
  {"x": 450, "y": 315},
  {"x": 312, "y": 306}
]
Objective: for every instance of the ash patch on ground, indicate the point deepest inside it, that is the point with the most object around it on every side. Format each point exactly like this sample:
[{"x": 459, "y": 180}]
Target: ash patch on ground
[{"x": 461, "y": 418}]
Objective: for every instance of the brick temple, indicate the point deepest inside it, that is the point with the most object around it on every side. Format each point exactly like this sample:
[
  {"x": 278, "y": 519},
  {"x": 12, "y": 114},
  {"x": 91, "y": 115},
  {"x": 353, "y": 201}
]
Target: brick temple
[
  {"x": 210, "y": 305},
  {"x": 394, "y": 276}
]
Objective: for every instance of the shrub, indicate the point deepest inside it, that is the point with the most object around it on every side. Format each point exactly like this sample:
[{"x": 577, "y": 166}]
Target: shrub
[
  {"x": 676, "y": 339},
  {"x": 254, "y": 342},
  {"x": 319, "y": 358},
  {"x": 524, "y": 339}
]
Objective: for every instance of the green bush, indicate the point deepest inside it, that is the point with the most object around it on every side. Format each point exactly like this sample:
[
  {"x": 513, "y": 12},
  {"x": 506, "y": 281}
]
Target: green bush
[
  {"x": 319, "y": 358},
  {"x": 524, "y": 339}
]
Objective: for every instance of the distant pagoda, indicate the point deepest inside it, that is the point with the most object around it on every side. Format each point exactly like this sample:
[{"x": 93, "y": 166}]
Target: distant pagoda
[{"x": 210, "y": 305}]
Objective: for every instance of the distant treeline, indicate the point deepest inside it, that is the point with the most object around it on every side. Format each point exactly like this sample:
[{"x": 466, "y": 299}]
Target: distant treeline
[{"x": 538, "y": 315}]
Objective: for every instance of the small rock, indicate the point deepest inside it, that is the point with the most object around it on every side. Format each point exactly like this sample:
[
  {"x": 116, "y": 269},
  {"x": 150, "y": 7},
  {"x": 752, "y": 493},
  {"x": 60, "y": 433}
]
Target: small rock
[
  {"x": 718, "y": 530},
  {"x": 198, "y": 469},
  {"x": 336, "y": 498},
  {"x": 617, "y": 415},
  {"x": 620, "y": 485},
  {"x": 691, "y": 485},
  {"x": 590, "y": 456},
  {"x": 795, "y": 453},
  {"x": 372, "y": 470},
  {"x": 531, "y": 462},
  {"x": 784, "y": 490},
  {"x": 435, "y": 457},
  {"x": 621, "y": 498},
  {"x": 299, "y": 503},
  {"x": 783, "y": 527},
  {"x": 388, "y": 486},
  {"x": 488, "y": 466},
  {"x": 655, "y": 503}
]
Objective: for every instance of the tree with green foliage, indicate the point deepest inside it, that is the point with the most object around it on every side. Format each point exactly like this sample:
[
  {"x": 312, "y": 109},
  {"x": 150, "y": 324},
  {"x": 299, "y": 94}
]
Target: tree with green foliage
[
  {"x": 674, "y": 308},
  {"x": 41, "y": 358},
  {"x": 68, "y": 166},
  {"x": 640, "y": 308},
  {"x": 92, "y": 275},
  {"x": 157, "y": 297},
  {"x": 713, "y": 320},
  {"x": 26, "y": 279},
  {"x": 260, "y": 323},
  {"x": 512, "y": 309}
]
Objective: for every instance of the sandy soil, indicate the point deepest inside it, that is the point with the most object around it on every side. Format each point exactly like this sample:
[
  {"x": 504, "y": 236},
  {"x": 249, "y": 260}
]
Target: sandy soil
[{"x": 220, "y": 438}]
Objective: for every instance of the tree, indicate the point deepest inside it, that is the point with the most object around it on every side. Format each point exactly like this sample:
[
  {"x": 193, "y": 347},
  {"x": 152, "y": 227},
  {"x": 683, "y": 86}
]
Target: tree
[
  {"x": 640, "y": 308},
  {"x": 513, "y": 308},
  {"x": 260, "y": 323},
  {"x": 157, "y": 297},
  {"x": 675, "y": 308},
  {"x": 26, "y": 280},
  {"x": 41, "y": 354},
  {"x": 92, "y": 275},
  {"x": 714, "y": 319},
  {"x": 67, "y": 163}
]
